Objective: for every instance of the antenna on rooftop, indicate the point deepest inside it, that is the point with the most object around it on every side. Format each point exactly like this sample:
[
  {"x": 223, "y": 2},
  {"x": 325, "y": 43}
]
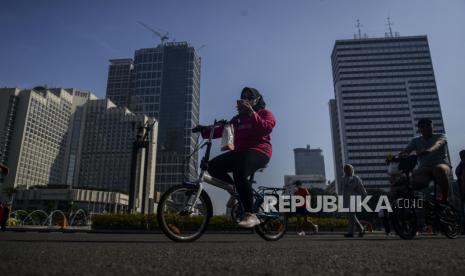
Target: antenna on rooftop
[
  {"x": 389, "y": 24},
  {"x": 358, "y": 26}
]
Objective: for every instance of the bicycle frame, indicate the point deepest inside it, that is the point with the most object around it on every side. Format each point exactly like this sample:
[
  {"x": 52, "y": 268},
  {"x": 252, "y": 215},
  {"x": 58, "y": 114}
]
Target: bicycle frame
[
  {"x": 204, "y": 177},
  {"x": 432, "y": 207},
  {"x": 181, "y": 202}
]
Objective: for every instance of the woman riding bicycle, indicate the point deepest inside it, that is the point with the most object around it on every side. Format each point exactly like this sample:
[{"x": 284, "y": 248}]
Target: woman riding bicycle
[{"x": 252, "y": 148}]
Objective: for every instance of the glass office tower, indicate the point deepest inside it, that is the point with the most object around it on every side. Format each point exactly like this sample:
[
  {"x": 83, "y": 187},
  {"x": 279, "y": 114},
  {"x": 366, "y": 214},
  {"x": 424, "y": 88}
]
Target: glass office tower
[{"x": 164, "y": 83}]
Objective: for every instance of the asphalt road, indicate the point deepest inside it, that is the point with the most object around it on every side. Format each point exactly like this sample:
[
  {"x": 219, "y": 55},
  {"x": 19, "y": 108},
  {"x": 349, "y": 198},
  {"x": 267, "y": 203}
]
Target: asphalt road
[{"x": 32, "y": 253}]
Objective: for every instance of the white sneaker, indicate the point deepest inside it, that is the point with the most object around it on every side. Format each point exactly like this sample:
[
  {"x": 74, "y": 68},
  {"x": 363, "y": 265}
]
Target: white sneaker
[
  {"x": 302, "y": 233},
  {"x": 249, "y": 221}
]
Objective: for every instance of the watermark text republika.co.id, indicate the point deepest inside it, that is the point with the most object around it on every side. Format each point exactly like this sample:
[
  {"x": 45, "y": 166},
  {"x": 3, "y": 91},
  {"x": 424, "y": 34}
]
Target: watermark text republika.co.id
[{"x": 332, "y": 204}]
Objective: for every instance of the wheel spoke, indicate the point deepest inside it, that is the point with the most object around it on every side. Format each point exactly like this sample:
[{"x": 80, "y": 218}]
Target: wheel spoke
[{"x": 177, "y": 219}]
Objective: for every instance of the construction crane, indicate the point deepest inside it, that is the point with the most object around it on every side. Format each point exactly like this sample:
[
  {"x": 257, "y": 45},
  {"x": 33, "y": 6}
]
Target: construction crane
[{"x": 163, "y": 37}]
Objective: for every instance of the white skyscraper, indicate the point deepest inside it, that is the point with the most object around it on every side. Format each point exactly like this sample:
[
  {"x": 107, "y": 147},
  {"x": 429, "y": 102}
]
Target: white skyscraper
[
  {"x": 105, "y": 147},
  {"x": 34, "y": 134},
  {"x": 382, "y": 87},
  {"x": 309, "y": 161},
  {"x": 76, "y": 148}
]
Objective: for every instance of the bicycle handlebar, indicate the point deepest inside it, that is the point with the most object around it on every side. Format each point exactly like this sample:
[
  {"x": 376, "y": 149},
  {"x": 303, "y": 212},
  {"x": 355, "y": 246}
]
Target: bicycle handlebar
[
  {"x": 397, "y": 158},
  {"x": 200, "y": 128},
  {"x": 219, "y": 123},
  {"x": 270, "y": 188}
]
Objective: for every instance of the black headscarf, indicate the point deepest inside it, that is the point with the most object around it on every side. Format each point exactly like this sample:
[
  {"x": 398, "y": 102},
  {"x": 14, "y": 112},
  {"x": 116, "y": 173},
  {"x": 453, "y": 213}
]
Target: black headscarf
[{"x": 261, "y": 103}]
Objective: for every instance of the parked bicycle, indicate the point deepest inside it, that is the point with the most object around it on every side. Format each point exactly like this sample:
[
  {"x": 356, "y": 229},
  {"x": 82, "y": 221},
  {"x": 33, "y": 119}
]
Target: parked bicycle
[
  {"x": 184, "y": 211},
  {"x": 406, "y": 203}
]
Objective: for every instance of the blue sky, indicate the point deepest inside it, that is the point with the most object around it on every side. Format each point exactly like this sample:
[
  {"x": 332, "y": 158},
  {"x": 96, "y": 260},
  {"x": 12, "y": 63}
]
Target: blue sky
[{"x": 280, "y": 47}]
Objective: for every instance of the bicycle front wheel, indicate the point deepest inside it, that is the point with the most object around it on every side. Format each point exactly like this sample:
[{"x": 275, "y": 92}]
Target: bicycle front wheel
[
  {"x": 180, "y": 216},
  {"x": 404, "y": 220}
]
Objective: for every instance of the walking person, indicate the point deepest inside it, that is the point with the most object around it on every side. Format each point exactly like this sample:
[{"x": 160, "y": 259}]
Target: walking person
[
  {"x": 5, "y": 215},
  {"x": 352, "y": 186},
  {"x": 460, "y": 173},
  {"x": 1, "y": 212},
  {"x": 383, "y": 214},
  {"x": 4, "y": 211},
  {"x": 303, "y": 218},
  {"x": 3, "y": 170}
]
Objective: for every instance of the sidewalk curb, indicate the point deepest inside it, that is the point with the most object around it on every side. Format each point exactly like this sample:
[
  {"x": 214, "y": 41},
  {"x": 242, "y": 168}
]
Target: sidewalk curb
[{"x": 125, "y": 231}]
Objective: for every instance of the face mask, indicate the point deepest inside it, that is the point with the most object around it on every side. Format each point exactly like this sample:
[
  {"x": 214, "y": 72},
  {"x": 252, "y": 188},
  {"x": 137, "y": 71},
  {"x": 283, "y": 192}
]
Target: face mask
[{"x": 252, "y": 102}]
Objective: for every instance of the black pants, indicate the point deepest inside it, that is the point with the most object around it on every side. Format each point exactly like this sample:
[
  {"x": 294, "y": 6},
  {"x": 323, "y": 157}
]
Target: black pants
[{"x": 242, "y": 165}]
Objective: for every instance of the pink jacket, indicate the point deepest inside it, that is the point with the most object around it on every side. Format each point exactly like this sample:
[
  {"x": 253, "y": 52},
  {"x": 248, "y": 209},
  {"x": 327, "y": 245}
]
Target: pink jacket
[{"x": 250, "y": 132}]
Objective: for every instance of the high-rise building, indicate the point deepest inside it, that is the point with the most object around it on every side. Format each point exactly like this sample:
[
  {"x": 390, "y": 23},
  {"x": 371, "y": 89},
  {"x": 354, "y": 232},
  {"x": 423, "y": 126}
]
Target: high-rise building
[
  {"x": 119, "y": 81},
  {"x": 382, "y": 87},
  {"x": 336, "y": 138},
  {"x": 104, "y": 151},
  {"x": 165, "y": 84},
  {"x": 309, "y": 169},
  {"x": 76, "y": 148},
  {"x": 309, "y": 161},
  {"x": 34, "y": 125},
  {"x": 74, "y": 133}
]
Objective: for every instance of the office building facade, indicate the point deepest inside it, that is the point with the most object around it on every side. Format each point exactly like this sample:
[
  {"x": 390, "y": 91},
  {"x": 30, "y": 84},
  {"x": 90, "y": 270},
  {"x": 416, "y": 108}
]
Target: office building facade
[
  {"x": 66, "y": 139},
  {"x": 105, "y": 148},
  {"x": 119, "y": 83},
  {"x": 309, "y": 161},
  {"x": 34, "y": 135},
  {"x": 382, "y": 87},
  {"x": 309, "y": 169},
  {"x": 338, "y": 163},
  {"x": 79, "y": 98},
  {"x": 165, "y": 84}
]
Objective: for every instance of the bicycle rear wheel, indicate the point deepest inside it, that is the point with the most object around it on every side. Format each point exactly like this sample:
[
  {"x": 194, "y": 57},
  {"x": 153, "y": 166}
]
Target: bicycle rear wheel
[
  {"x": 450, "y": 222},
  {"x": 179, "y": 217},
  {"x": 273, "y": 227}
]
